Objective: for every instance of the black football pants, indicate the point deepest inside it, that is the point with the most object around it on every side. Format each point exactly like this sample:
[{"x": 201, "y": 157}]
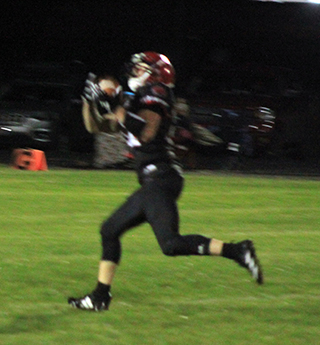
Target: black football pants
[{"x": 156, "y": 203}]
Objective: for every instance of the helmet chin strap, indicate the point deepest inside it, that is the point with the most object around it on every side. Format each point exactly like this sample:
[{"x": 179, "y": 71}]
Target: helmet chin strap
[{"x": 135, "y": 82}]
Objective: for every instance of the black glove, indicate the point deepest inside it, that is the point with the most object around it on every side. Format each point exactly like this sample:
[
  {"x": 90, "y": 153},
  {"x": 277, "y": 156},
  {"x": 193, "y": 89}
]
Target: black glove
[{"x": 92, "y": 91}]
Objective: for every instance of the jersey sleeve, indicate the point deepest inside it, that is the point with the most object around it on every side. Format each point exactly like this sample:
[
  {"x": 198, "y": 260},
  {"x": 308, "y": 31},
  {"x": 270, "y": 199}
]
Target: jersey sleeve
[{"x": 156, "y": 98}]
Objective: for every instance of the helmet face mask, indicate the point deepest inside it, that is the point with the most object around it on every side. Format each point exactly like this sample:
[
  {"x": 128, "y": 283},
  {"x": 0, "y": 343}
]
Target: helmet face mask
[
  {"x": 140, "y": 68},
  {"x": 150, "y": 67},
  {"x": 135, "y": 82}
]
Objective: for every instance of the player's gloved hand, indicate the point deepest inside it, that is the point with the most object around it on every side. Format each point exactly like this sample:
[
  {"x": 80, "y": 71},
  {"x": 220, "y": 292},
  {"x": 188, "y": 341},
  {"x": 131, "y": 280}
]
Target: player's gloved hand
[{"x": 92, "y": 91}]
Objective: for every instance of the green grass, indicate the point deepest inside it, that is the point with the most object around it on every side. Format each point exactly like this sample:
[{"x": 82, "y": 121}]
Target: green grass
[{"x": 50, "y": 247}]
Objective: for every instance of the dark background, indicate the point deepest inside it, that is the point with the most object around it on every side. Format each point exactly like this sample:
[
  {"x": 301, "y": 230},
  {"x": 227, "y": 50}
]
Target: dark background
[
  {"x": 194, "y": 35},
  {"x": 103, "y": 34}
]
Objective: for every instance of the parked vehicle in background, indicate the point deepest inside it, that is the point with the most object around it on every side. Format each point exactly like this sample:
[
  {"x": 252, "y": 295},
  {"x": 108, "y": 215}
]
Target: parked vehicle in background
[
  {"x": 41, "y": 108},
  {"x": 30, "y": 113}
]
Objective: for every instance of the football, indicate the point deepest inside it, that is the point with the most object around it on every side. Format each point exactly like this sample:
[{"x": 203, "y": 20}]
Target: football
[{"x": 110, "y": 86}]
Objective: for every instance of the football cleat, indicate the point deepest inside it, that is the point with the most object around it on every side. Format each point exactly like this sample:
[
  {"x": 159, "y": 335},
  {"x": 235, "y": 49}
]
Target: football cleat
[
  {"x": 247, "y": 258},
  {"x": 90, "y": 302}
]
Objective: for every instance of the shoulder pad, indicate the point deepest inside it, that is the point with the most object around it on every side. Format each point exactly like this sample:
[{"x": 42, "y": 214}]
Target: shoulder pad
[{"x": 155, "y": 94}]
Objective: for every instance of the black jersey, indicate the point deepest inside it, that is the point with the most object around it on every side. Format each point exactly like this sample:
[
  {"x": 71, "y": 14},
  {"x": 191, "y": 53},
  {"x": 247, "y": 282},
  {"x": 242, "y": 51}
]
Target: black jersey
[{"x": 158, "y": 98}]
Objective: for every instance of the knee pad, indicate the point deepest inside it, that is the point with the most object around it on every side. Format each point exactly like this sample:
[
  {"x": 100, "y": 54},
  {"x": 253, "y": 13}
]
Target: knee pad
[
  {"x": 170, "y": 248},
  {"x": 111, "y": 246},
  {"x": 106, "y": 230}
]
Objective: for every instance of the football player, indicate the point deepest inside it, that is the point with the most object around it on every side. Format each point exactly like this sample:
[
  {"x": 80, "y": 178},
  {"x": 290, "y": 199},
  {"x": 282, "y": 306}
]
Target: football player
[{"x": 145, "y": 116}]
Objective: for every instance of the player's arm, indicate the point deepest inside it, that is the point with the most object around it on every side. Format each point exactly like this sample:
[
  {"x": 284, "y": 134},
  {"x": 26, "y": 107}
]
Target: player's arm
[
  {"x": 88, "y": 120},
  {"x": 95, "y": 122},
  {"x": 151, "y": 127},
  {"x": 107, "y": 116}
]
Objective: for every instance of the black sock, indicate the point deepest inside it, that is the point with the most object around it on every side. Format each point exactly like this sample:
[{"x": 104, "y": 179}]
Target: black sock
[
  {"x": 102, "y": 290},
  {"x": 229, "y": 250}
]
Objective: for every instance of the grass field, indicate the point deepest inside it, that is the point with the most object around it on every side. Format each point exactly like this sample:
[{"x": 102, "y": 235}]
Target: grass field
[{"x": 50, "y": 247}]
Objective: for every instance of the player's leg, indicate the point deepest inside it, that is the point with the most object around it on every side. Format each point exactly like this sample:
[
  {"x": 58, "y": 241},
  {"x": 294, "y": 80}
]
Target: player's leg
[
  {"x": 130, "y": 214},
  {"x": 162, "y": 214}
]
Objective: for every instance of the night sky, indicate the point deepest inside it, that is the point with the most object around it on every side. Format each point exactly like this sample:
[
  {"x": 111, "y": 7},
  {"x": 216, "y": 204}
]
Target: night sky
[{"x": 103, "y": 34}]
